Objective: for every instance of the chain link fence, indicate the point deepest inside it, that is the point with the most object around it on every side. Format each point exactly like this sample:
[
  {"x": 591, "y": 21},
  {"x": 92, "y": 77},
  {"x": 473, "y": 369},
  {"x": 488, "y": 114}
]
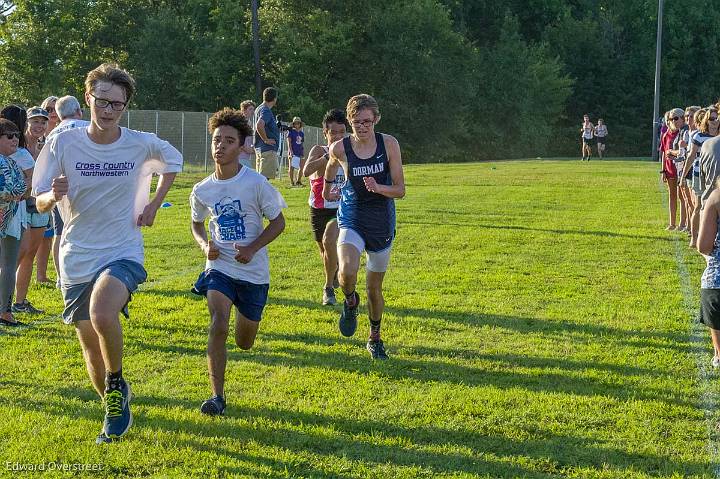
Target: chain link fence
[{"x": 187, "y": 131}]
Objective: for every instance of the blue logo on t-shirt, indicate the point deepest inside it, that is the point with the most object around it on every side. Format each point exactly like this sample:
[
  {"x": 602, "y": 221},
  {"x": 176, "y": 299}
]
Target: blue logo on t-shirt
[{"x": 230, "y": 220}]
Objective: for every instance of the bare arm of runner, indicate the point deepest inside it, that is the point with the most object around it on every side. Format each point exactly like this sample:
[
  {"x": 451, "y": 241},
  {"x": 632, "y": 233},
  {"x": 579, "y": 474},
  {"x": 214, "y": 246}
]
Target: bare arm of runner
[
  {"x": 397, "y": 189},
  {"x": 147, "y": 217},
  {"x": 708, "y": 224},
  {"x": 317, "y": 161},
  {"x": 45, "y": 201},
  {"x": 272, "y": 230},
  {"x": 337, "y": 154},
  {"x": 208, "y": 248}
]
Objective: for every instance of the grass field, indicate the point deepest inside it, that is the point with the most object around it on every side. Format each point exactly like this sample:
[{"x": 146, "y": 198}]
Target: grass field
[{"x": 539, "y": 323}]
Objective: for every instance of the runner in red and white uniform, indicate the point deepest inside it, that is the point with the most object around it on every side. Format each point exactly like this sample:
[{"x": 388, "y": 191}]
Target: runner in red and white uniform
[{"x": 323, "y": 213}]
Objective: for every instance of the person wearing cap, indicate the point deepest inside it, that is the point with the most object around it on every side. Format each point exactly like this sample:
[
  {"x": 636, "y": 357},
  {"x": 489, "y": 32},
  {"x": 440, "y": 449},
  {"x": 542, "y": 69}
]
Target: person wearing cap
[
  {"x": 37, "y": 120},
  {"x": 295, "y": 140},
  {"x": 35, "y": 131}
]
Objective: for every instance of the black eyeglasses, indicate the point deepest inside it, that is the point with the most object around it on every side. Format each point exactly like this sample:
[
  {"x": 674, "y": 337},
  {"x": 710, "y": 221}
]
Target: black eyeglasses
[
  {"x": 115, "y": 105},
  {"x": 363, "y": 123},
  {"x": 10, "y": 136},
  {"x": 713, "y": 118},
  {"x": 675, "y": 118}
]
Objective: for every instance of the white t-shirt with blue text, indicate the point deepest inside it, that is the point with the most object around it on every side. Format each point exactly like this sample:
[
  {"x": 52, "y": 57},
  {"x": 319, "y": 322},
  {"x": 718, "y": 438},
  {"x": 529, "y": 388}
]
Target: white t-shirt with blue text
[{"x": 109, "y": 186}]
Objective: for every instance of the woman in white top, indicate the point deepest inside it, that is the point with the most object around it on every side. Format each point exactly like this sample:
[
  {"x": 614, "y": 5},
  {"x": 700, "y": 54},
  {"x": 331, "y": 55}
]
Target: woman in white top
[{"x": 43, "y": 252}]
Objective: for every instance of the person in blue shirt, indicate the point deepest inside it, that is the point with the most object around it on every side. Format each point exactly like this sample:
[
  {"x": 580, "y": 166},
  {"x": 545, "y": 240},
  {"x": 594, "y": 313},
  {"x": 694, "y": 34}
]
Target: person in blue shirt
[{"x": 267, "y": 135}]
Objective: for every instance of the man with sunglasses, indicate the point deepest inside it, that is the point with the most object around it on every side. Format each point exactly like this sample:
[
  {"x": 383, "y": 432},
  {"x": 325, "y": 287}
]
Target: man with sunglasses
[{"x": 100, "y": 177}]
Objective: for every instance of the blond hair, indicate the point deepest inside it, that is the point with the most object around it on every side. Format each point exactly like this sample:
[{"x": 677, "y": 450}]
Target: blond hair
[{"x": 362, "y": 102}]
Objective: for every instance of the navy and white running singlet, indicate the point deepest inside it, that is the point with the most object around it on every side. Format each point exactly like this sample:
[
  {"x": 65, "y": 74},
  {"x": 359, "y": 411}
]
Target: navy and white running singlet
[{"x": 370, "y": 215}]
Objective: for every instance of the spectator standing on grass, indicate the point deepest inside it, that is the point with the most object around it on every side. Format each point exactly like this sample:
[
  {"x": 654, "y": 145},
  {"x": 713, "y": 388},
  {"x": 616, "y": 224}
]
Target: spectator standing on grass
[
  {"x": 709, "y": 160},
  {"x": 267, "y": 135},
  {"x": 19, "y": 221},
  {"x": 49, "y": 105},
  {"x": 669, "y": 171},
  {"x": 36, "y": 223},
  {"x": 100, "y": 176},
  {"x": 323, "y": 213},
  {"x": 691, "y": 169},
  {"x": 366, "y": 215},
  {"x": 708, "y": 244},
  {"x": 70, "y": 113},
  {"x": 43, "y": 253},
  {"x": 678, "y": 151},
  {"x": 237, "y": 273},
  {"x": 247, "y": 151},
  {"x": 296, "y": 151},
  {"x": 13, "y": 188}
]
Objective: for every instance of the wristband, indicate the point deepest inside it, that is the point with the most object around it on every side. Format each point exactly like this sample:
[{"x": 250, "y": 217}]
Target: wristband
[{"x": 328, "y": 181}]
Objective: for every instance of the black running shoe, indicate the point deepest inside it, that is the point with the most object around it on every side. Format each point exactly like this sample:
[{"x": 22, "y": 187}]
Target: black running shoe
[
  {"x": 25, "y": 307},
  {"x": 377, "y": 350},
  {"x": 12, "y": 324},
  {"x": 348, "y": 318},
  {"x": 215, "y": 406},
  {"x": 118, "y": 417},
  {"x": 329, "y": 297}
]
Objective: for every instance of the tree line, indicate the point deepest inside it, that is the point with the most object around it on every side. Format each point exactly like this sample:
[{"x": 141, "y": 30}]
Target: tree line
[{"x": 457, "y": 80}]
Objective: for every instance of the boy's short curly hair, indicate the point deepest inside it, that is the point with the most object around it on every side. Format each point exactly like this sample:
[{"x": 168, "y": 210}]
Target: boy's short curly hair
[{"x": 233, "y": 118}]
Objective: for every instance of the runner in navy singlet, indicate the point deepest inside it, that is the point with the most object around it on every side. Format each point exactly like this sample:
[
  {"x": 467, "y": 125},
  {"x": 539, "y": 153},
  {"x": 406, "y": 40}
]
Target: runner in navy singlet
[{"x": 366, "y": 216}]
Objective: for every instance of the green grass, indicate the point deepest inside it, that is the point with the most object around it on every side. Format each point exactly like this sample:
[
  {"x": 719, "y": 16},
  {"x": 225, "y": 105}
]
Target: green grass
[{"x": 535, "y": 320}]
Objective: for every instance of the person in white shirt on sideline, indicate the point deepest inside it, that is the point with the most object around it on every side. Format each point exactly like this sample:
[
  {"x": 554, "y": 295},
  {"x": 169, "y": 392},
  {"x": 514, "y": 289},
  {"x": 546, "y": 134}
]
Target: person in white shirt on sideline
[
  {"x": 70, "y": 113},
  {"x": 100, "y": 177}
]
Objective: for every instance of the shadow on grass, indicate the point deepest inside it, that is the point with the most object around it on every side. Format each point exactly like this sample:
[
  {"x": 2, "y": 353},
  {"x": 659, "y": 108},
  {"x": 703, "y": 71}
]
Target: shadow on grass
[
  {"x": 606, "y": 234},
  {"x": 679, "y": 342},
  {"x": 372, "y": 443}
]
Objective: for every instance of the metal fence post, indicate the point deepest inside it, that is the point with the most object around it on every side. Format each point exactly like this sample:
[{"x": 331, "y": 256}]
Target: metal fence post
[
  {"x": 207, "y": 118},
  {"x": 157, "y": 120},
  {"x": 182, "y": 133},
  {"x": 128, "y": 118}
]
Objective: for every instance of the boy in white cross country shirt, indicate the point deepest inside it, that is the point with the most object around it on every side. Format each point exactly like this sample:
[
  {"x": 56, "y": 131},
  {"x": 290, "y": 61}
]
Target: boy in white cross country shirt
[{"x": 100, "y": 176}]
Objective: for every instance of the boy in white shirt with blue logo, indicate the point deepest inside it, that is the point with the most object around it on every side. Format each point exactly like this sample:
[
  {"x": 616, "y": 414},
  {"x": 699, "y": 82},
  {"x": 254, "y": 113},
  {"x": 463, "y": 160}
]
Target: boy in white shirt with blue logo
[{"x": 236, "y": 199}]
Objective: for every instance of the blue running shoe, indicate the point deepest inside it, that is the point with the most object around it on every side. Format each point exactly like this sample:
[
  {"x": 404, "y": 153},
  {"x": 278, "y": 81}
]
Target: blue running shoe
[
  {"x": 215, "y": 406},
  {"x": 348, "y": 318},
  {"x": 118, "y": 417},
  {"x": 377, "y": 350},
  {"x": 103, "y": 439}
]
